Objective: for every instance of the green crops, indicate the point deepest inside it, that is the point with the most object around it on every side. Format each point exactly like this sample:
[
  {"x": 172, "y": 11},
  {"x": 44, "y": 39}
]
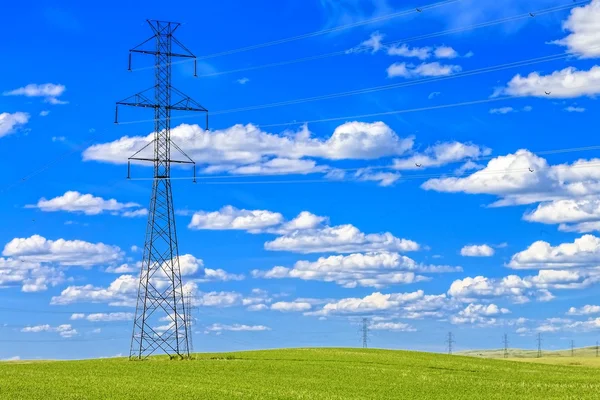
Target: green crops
[{"x": 343, "y": 374}]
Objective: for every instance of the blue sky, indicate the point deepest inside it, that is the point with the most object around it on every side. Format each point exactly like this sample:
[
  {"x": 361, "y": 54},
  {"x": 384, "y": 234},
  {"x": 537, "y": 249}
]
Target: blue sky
[{"x": 465, "y": 198}]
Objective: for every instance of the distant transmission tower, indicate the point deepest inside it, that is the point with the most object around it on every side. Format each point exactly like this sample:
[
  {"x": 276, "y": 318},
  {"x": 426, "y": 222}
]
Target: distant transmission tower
[
  {"x": 539, "y": 342},
  {"x": 450, "y": 342},
  {"x": 365, "y": 332},
  {"x": 505, "y": 342},
  {"x": 189, "y": 319},
  {"x": 572, "y": 348},
  {"x": 161, "y": 254}
]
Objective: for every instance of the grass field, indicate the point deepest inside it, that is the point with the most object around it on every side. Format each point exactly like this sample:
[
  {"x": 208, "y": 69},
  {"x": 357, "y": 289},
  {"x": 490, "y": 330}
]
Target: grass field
[{"x": 343, "y": 374}]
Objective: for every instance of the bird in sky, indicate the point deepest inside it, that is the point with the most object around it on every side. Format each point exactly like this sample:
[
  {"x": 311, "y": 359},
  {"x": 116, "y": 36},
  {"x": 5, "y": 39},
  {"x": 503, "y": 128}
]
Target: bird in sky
[
  {"x": 419, "y": 10},
  {"x": 547, "y": 92},
  {"x": 531, "y": 14},
  {"x": 530, "y": 170},
  {"x": 418, "y": 165}
]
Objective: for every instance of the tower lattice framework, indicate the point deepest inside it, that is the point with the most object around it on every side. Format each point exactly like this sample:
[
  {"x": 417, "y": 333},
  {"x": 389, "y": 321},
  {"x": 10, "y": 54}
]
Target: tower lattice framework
[{"x": 160, "y": 319}]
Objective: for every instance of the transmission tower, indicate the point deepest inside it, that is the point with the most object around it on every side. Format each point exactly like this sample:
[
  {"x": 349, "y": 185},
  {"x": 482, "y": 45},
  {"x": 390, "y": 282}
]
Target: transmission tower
[
  {"x": 160, "y": 290},
  {"x": 539, "y": 343},
  {"x": 189, "y": 318},
  {"x": 572, "y": 348},
  {"x": 505, "y": 342},
  {"x": 365, "y": 332},
  {"x": 450, "y": 342}
]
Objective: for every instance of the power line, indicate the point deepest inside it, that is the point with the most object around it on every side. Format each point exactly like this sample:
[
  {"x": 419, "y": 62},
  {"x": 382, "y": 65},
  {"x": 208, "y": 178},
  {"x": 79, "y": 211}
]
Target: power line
[
  {"x": 539, "y": 343},
  {"x": 450, "y": 341},
  {"x": 315, "y": 33},
  {"x": 400, "y": 41},
  {"x": 402, "y": 178},
  {"x": 478, "y": 71},
  {"x": 505, "y": 342}
]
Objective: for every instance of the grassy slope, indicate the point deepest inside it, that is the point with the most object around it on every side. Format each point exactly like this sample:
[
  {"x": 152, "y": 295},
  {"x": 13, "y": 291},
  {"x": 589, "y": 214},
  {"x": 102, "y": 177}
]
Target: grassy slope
[{"x": 343, "y": 374}]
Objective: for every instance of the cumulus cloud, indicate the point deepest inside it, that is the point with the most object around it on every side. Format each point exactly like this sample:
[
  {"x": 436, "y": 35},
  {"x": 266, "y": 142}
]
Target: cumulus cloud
[
  {"x": 583, "y": 24},
  {"x": 413, "y": 305},
  {"x": 422, "y": 53},
  {"x": 121, "y": 292},
  {"x": 524, "y": 178},
  {"x": 585, "y": 310},
  {"x": 441, "y": 154},
  {"x": 392, "y": 326},
  {"x": 293, "y": 306},
  {"x": 306, "y": 233},
  {"x": 88, "y": 204},
  {"x": 248, "y": 149},
  {"x": 407, "y": 70},
  {"x": 584, "y": 251},
  {"x": 32, "y": 276},
  {"x": 339, "y": 239},
  {"x": 522, "y": 289},
  {"x": 64, "y": 252},
  {"x": 479, "y": 314},
  {"x": 49, "y": 91},
  {"x": 369, "y": 270},
  {"x": 477, "y": 251},
  {"x": 564, "y": 84},
  {"x": 65, "y": 330},
  {"x": 575, "y": 109},
  {"x": 231, "y": 218},
  {"x": 103, "y": 317},
  {"x": 237, "y": 328},
  {"x": 9, "y": 123}
]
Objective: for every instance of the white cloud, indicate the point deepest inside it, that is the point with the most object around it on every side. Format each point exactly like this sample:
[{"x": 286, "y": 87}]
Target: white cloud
[
  {"x": 219, "y": 299},
  {"x": 304, "y": 220},
  {"x": 477, "y": 251},
  {"x": 565, "y": 84},
  {"x": 373, "y": 43},
  {"x": 121, "y": 292},
  {"x": 583, "y": 24},
  {"x": 293, "y": 306},
  {"x": 44, "y": 113},
  {"x": 479, "y": 314},
  {"x": 339, "y": 239},
  {"x": 237, "y": 328},
  {"x": 247, "y": 145},
  {"x": 231, "y": 218},
  {"x": 371, "y": 303},
  {"x": 433, "y": 95},
  {"x": 445, "y": 52},
  {"x": 502, "y": 110},
  {"x": 10, "y": 122},
  {"x": 575, "y": 109},
  {"x": 424, "y": 69},
  {"x": 64, "y": 252},
  {"x": 384, "y": 178},
  {"x": 585, "y": 310},
  {"x": 392, "y": 326},
  {"x": 422, "y": 53},
  {"x": 369, "y": 270},
  {"x": 243, "y": 81},
  {"x": 124, "y": 268},
  {"x": 441, "y": 154},
  {"x": 565, "y": 211},
  {"x": 65, "y": 330},
  {"x": 584, "y": 251},
  {"x": 49, "y": 91},
  {"x": 87, "y": 204},
  {"x": 32, "y": 276},
  {"x": 104, "y": 317},
  {"x": 15, "y": 358},
  {"x": 524, "y": 178},
  {"x": 58, "y": 138}
]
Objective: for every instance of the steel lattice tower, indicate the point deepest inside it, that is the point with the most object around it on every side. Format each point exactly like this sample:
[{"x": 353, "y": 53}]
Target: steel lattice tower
[{"x": 160, "y": 296}]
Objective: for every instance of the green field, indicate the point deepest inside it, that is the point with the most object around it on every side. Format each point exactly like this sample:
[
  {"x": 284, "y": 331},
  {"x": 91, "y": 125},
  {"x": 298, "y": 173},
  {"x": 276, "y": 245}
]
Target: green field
[{"x": 342, "y": 374}]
